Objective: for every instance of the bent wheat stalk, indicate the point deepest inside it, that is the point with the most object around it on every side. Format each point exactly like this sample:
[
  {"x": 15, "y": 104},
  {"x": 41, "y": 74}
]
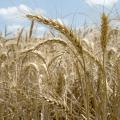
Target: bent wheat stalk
[
  {"x": 59, "y": 27},
  {"x": 66, "y": 32},
  {"x": 72, "y": 37}
]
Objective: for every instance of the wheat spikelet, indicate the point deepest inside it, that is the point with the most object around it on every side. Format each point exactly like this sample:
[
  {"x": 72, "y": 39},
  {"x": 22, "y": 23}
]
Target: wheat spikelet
[{"x": 104, "y": 31}]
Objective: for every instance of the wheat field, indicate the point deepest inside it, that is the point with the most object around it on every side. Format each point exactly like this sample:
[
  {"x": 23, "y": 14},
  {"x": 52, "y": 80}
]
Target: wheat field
[{"x": 61, "y": 77}]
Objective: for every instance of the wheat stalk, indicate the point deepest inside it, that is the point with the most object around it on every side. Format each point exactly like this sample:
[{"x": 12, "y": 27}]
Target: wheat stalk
[
  {"x": 104, "y": 41},
  {"x": 31, "y": 29}
]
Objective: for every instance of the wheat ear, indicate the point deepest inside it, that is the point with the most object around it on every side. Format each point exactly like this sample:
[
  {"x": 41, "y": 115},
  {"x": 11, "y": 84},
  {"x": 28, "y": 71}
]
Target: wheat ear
[{"x": 59, "y": 27}]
